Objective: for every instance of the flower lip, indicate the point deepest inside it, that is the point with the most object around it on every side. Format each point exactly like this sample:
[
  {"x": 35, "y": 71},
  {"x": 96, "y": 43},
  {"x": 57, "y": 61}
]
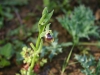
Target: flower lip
[{"x": 48, "y": 36}]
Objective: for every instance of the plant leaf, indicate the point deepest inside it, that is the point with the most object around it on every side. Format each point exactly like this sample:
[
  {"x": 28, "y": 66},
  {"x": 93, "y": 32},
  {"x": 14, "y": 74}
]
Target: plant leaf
[
  {"x": 4, "y": 62},
  {"x": 6, "y": 51}
]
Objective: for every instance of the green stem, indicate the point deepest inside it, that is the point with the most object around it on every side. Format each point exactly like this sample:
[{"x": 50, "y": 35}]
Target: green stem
[
  {"x": 67, "y": 60},
  {"x": 31, "y": 67},
  {"x": 39, "y": 39},
  {"x": 38, "y": 42},
  {"x": 35, "y": 57},
  {"x": 69, "y": 54},
  {"x": 86, "y": 43}
]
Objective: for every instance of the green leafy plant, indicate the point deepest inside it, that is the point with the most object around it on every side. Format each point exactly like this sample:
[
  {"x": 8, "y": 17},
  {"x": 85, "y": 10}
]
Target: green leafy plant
[
  {"x": 89, "y": 64},
  {"x": 32, "y": 55},
  {"x": 79, "y": 24}
]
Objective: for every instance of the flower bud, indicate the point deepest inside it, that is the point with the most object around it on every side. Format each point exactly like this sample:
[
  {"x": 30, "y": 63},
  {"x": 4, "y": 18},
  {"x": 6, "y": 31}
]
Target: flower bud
[{"x": 36, "y": 68}]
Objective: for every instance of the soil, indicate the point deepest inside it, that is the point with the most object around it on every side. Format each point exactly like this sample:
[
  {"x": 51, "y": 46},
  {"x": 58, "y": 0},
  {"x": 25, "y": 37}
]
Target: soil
[{"x": 52, "y": 67}]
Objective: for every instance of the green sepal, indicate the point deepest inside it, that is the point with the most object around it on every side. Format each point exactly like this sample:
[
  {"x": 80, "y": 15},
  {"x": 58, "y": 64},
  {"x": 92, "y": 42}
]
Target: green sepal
[
  {"x": 42, "y": 34},
  {"x": 45, "y": 11},
  {"x": 42, "y": 19},
  {"x": 46, "y": 31},
  {"x": 48, "y": 17},
  {"x": 47, "y": 26},
  {"x": 45, "y": 18}
]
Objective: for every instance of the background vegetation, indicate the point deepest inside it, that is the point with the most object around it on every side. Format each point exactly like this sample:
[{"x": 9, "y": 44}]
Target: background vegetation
[{"x": 75, "y": 26}]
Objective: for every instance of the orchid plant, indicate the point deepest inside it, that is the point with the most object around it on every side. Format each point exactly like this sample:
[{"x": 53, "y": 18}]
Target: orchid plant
[{"x": 31, "y": 55}]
